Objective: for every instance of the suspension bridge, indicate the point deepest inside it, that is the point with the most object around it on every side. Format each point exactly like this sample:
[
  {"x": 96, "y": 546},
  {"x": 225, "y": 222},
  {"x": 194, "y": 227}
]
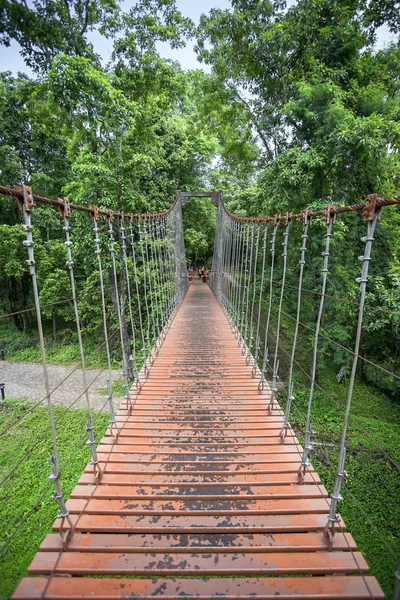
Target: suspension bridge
[{"x": 200, "y": 487}]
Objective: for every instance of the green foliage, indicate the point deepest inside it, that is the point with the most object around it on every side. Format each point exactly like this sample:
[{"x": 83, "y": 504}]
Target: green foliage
[
  {"x": 370, "y": 492},
  {"x": 27, "y": 486}
]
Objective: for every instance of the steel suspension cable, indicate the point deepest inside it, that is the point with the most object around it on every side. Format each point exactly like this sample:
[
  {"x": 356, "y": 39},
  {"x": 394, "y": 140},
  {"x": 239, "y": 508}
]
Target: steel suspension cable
[
  {"x": 337, "y": 403},
  {"x": 162, "y": 282},
  {"x": 155, "y": 327},
  {"x": 251, "y": 334},
  {"x": 154, "y": 272},
  {"x": 238, "y": 277},
  {"x": 244, "y": 289},
  {"x": 265, "y": 355},
  {"x": 70, "y": 265},
  {"x": 166, "y": 260},
  {"x": 248, "y": 284},
  {"x": 125, "y": 366},
  {"x": 233, "y": 282},
  {"x": 28, "y": 206},
  {"x": 274, "y": 386},
  {"x": 257, "y": 346},
  {"x": 363, "y": 280},
  {"x": 302, "y": 262},
  {"x": 307, "y": 443},
  {"x": 148, "y": 324},
  {"x": 135, "y": 274},
  {"x": 113, "y": 424},
  {"x": 133, "y": 357}
]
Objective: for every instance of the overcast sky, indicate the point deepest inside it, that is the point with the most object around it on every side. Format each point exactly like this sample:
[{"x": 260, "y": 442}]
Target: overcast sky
[{"x": 11, "y": 60}]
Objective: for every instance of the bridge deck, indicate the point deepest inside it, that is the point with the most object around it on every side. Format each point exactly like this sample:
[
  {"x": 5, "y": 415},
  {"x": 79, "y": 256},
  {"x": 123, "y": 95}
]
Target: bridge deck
[{"x": 199, "y": 498}]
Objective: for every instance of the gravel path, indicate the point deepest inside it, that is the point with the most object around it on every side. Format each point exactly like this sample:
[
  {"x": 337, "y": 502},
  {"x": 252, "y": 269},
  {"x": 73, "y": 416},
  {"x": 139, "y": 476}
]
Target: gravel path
[{"x": 24, "y": 381}]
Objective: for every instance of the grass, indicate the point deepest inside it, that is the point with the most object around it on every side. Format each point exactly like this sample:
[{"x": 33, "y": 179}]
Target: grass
[
  {"x": 117, "y": 388},
  {"x": 24, "y": 347},
  {"x": 26, "y": 487},
  {"x": 371, "y": 490}
]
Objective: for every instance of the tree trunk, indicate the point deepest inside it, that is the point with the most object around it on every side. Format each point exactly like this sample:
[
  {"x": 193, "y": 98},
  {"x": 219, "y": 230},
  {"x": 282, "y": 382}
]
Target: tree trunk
[
  {"x": 14, "y": 304},
  {"x": 53, "y": 316}
]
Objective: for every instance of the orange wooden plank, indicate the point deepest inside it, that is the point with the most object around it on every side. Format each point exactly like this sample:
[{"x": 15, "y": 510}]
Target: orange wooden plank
[
  {"x": 107, "y": 563},
  {"x": 277, "y": 542},
  {"x": 199, "y": 484},
  {"x": 306, "y": 588},
  {"x": 196, "y": 492},
  {"x": 198, "y": 524},
  {"x": 219, "y": 507}
]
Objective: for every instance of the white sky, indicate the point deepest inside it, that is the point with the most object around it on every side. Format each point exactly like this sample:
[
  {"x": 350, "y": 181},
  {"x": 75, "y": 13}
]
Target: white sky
[{"x": 11, "y": 60}]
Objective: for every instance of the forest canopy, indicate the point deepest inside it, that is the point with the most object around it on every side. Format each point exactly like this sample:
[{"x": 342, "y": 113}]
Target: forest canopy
[{"x": 296, "y": 107}]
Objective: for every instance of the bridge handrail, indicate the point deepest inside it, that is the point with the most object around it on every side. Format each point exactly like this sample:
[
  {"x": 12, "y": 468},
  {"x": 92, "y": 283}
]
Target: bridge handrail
[
  {"x": 92, "y": 210},
  {"x": 373, "y": 201}
]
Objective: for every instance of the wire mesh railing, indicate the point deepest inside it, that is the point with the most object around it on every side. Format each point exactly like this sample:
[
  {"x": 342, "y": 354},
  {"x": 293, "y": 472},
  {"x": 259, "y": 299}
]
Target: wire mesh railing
[
  {"x": 284, "y": 310},
  {"x": 134, "y": 268}
]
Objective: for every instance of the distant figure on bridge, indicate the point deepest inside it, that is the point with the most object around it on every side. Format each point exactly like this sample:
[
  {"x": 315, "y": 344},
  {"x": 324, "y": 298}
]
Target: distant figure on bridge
[
  {"x": 200, "y": 273},
  {"x": 206, "y": 276}
]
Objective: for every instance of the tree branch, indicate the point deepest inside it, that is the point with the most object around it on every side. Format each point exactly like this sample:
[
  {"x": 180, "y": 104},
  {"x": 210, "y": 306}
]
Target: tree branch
[{"x": 253, "y": 120}]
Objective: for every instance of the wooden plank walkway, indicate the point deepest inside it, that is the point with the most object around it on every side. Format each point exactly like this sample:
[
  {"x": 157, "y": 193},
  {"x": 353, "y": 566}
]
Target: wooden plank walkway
[{"x": 199, "y": 499}]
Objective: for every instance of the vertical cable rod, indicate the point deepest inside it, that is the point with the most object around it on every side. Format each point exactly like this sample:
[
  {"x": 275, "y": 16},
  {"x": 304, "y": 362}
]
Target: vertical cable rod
[
  {"x": 135, "y": 274},
  {"x": 257, "y": 349},
  {"x": 251, "y": 334},
  {"x": 244, "y": 288},
  {"x": 271, "y": 278},
  {"x": 27, "y": 206},
  {"x": 109, "y": 398},
  {"x": 329, "y": 219},
  {"x": 274, "y": 386},
  {"x": 133, "y": 356},
  {"x": 66, "y": 212},
  {"x": 119, "y": 315},
  {"x": 302, "y": 262},
  {"x": 146, "y": 302},
  {"x": 363, "y": 280},
  {"x": 249, "y": 271}
]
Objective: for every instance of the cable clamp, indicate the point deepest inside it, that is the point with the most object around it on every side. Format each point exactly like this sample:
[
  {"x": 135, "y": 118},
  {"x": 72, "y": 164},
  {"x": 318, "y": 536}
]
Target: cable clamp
[
  {"x": 337, "y": 497},
  {"x": 28, "y": 243},
  {"x": 365, "y": 258},
  {"x": 69, "y": 263},
  {"x": 66, "y": 228},
  {"x": 68, "y": 243},
  {"x": 367, "y": 239},
  {"x": 65, "y": 209},
  {"x": 29, "y": 263},
  {"x": 26, "y": 227},
  {"x": 329, "y": 213},
  {"x": 372, "y": 208},
  {"x": 94, "y": 214},
  {"x": 361, "y": 280},
  {"x": 27, "y": 204}
]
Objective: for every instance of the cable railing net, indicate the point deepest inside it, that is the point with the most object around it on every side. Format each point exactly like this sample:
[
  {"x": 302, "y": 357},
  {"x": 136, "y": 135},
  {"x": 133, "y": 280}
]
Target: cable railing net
[
  {"x": 275, "y": 278},
  {"x": 134, "y": 267}
]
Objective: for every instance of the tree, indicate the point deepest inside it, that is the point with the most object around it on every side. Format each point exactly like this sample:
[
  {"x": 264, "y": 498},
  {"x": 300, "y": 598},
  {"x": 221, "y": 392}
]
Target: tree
[{"x": 47, "y": 28}]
